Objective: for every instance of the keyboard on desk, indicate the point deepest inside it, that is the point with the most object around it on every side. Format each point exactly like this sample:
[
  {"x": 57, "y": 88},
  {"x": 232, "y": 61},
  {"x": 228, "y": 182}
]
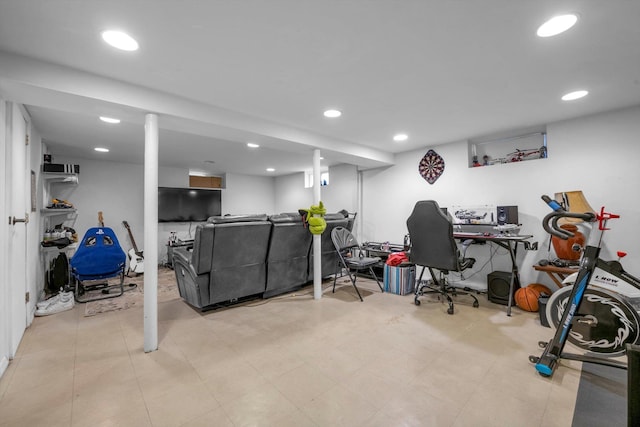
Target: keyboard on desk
[
  {"x": 472, "y": 234},
  {"x": 489, "y": 236}
]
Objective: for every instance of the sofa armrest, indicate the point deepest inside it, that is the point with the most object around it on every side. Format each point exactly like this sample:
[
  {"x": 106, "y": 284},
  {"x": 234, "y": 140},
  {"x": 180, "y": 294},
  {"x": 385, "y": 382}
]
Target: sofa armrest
[
  {"x": 193, "y": 287},
  {"x": 183, "y": 255}
]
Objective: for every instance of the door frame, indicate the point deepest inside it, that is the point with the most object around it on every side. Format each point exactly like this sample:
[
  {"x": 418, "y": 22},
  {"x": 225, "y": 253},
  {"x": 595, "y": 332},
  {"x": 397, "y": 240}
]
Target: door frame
[
  {"x": 5, "y": 325},
  {"x": 17, "y": 185}
]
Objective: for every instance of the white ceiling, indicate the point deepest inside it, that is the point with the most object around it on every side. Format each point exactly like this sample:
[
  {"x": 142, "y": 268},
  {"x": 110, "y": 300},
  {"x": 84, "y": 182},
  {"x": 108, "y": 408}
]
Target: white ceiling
[{"x": 223, "y": 73}]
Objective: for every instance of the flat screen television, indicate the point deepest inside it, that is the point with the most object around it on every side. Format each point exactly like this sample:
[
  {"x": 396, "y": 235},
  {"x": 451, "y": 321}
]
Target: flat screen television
[{"x": 188, "y": 204}]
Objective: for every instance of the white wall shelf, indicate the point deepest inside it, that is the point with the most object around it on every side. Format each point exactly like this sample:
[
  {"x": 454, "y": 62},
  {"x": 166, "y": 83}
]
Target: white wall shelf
[
  {"x": 55, "y": 250},
  {"x": 53, "y": 212},
  {"x": 70, "y": 178},
  {"x": 509, "y": 149}
]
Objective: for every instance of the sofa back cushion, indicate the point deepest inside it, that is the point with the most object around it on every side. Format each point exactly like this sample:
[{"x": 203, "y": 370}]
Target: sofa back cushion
[
  {"x": 238, "y": 265},
  {"x": 289, "y": 237},
  {"x": 288, "y": 257}
]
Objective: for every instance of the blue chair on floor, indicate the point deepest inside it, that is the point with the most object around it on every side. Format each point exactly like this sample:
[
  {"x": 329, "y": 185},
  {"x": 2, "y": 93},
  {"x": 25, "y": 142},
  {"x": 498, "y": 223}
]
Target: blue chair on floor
[{"x": 99, "y": 257}]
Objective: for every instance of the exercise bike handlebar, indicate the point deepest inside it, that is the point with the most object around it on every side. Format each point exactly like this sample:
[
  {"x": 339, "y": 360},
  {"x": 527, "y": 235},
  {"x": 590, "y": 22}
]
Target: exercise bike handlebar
[{"x": 550, "y": 222}]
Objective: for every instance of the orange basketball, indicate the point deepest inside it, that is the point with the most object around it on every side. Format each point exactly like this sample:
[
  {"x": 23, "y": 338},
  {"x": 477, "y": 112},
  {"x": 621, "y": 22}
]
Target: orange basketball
[
  {"x": 540, "y": 288},
  {"x": 527, "y": 299}
]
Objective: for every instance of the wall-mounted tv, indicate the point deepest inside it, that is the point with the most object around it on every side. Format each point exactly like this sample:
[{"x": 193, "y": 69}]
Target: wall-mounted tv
[{"x": 188, "y": 204}]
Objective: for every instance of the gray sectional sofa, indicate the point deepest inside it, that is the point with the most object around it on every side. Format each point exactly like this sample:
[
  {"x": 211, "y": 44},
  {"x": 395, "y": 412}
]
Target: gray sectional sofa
[{"x": 243, "y": 256}]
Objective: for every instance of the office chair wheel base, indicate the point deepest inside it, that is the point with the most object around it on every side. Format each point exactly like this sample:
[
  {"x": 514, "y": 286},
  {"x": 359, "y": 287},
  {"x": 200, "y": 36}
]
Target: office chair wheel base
[
  {"x": 416, "y": 301},
  {"x": 450, "y": 310},
  {"x": 476, "y": 304}
]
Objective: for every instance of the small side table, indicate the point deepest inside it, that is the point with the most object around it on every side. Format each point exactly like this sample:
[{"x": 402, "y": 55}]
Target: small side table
[
  {"x": 557, "y": 274},
  {"x": 381, "y": 250}
]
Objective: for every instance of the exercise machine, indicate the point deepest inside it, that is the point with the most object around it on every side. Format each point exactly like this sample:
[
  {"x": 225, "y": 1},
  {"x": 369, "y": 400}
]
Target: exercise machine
[{"x": 598, "y": 310}]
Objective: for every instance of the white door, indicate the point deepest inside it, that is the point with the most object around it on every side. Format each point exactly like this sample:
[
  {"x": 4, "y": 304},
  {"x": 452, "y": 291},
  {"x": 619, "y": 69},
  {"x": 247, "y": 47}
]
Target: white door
[{"x": 18, "y": 188}]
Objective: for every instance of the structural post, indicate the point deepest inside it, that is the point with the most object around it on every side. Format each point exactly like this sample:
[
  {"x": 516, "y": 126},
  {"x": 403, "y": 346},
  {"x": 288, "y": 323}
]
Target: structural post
[
  {"x": 317, "y": 243},
  {"x": 151, "y": 233}
]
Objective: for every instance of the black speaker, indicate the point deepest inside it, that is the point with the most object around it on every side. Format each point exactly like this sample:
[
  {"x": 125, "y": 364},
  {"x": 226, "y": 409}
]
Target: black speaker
[
  {"x": 507, "y": 215},
  {"x": 498, "y": 287}
]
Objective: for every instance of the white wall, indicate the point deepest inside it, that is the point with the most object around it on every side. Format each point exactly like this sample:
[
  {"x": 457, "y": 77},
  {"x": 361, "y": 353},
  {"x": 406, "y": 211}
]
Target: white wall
[
  {"x": 116, "y": 189},
  {"x": 246, "y": 194},
  {"x": 341, "y": 193},
  {"x": 596, "y": 154}
]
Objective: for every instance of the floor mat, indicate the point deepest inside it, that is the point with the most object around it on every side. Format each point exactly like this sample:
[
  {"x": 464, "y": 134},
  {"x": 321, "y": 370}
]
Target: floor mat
[
  {"x": 602, "y": 397},
  {"x": 134, "y": 297}
]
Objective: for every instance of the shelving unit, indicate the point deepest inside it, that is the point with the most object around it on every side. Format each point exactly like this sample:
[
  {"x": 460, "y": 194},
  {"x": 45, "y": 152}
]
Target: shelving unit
[
  {"x": 53, "y": 216},
  {"x": 47, "y": 214}
]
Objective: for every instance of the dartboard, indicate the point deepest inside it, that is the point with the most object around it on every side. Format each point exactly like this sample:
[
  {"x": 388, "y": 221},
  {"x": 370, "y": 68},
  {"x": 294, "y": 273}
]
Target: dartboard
[{"x": 431, "y": 166}]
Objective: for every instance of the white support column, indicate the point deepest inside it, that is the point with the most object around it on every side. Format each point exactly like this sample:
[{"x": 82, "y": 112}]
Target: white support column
[
  {"x": 150, "y": 233},
  {"x": 317, "y": 243}
]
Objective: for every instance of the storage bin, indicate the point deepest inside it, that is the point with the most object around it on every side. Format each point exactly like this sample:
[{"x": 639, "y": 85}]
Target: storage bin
[{"x": 399, "y": 280}]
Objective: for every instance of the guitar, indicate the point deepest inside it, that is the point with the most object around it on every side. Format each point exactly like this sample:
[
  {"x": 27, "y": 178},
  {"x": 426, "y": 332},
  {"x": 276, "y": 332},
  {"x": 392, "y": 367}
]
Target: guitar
[{"x": 136, "y": 260}]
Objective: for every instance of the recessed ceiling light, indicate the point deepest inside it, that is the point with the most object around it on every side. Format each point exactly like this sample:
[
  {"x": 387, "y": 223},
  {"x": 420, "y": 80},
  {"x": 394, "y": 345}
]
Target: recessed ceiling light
[
  {"x": 109, "y": 120},
  {"x": 575, "y": 95},
  {"x": 252, "y": 145},
  {"x": 102, "y": 150},
  {"x": 270, "y": 170},
  {"x": 400, "y": 137},
  {"x": 120, "y": 40},
  {"x": 556, "y": 25},
  {"x": 332, "y": 113}
]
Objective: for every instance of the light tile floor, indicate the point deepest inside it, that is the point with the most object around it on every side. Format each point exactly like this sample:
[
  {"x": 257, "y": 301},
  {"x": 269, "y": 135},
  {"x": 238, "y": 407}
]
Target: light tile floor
[{"x": 289, "y": 361}]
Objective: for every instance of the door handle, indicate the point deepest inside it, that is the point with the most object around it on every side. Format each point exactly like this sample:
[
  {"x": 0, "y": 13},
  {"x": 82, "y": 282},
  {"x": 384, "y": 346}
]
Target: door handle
[{"x": 13, "y": 220}]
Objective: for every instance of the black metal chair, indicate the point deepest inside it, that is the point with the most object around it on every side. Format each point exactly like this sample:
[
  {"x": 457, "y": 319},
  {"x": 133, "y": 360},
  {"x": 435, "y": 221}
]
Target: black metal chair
[
  {"x": 434, "y": 247},
  {"x": 352, "y": 257}
]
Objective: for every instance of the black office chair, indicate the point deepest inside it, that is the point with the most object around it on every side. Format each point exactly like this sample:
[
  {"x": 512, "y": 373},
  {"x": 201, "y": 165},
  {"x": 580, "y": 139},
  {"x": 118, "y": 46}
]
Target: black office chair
[
  {"x": 434, "y": 247},
  {"x": 351, "y": 256}
]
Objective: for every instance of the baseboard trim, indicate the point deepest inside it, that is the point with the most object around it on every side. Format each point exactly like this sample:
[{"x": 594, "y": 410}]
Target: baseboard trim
[{"x": 4, "y": 364}]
